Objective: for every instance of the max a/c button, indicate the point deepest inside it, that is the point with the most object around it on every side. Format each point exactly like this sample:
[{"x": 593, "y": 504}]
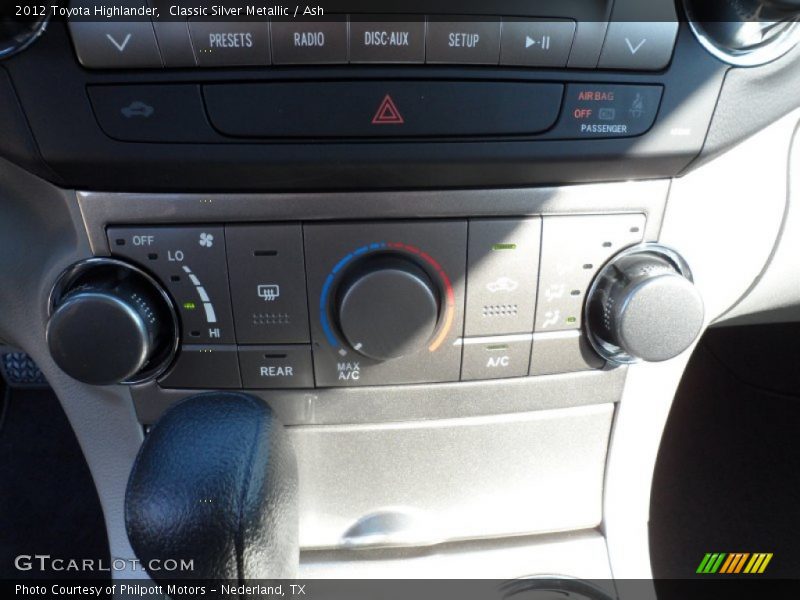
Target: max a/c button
[{"x": 276, "y": 367}]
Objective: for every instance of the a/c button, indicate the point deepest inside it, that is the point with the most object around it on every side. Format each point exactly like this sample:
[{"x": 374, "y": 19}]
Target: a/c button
[
  {"x": 496, "y": 357},
  {"x": 276, "y": 367}
]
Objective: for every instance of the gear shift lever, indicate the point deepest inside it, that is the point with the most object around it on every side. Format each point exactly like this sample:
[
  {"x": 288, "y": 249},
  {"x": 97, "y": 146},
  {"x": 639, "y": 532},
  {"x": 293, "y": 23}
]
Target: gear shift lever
[{"x": 215, "y": 482}]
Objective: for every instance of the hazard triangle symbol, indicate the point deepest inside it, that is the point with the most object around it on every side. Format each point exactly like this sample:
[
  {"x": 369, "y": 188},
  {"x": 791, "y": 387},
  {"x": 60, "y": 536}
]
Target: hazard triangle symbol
[{"x": 388, "y": 114}]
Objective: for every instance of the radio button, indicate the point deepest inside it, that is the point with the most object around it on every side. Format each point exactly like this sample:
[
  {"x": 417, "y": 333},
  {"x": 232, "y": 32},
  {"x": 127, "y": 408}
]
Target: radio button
[
  {"x": 230, "y": 44},
  {"x": 387, "y": 41},
  {"x": 268, "y": 284},
  {"x": 502, "y": 271},
  {"x": 300, "y": 42},
  {"x": 475, "y": 42},
  {"x": 276, "y": 367},
  {"x": 536, "y": 43}
]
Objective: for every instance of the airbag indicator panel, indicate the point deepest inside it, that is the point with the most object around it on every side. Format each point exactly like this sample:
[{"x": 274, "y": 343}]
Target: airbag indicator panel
[{"x": 604, "y": 111}]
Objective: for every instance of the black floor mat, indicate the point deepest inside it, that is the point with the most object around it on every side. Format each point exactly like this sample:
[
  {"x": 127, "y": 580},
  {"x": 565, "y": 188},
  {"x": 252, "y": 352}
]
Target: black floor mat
[
  {"x": 728, "y": 473},
  {"x": 48, "y": 503}
]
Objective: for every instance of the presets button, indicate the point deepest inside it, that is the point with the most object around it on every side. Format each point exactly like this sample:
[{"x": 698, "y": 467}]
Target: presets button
[{"x": 230, "y": 44}]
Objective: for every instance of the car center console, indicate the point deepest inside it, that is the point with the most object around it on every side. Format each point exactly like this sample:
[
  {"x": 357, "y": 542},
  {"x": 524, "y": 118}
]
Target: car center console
[
  {"x": 418, "y": 95},
  {"x": 442, "y": 242}
]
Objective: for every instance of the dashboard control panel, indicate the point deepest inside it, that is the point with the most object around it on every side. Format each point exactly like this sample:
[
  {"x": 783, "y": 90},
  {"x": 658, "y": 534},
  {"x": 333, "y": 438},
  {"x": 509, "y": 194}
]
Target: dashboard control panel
[
  {"x": 368, "y": 110},
  {"x": 304, "y": 304},
  {"x": 202, "y": 41}
]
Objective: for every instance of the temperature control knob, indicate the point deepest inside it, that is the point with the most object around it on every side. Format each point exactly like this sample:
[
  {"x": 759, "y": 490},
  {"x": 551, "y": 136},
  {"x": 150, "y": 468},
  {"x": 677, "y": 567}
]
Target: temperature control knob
[
  {"x": 387, "y": 307},
  {"x": 110, "y": 323},
  {"x": 643, "y": 306}
]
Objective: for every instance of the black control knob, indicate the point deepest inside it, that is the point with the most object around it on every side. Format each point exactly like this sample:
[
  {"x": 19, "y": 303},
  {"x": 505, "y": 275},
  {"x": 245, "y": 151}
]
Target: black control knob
[
  {"x": 17, "y": 32},
  {"x": 387, "y": 307},
  {"x": 110, "y": 323},
  {"x": 745, "y": 32},
  {"x": 643, "y": 306}
]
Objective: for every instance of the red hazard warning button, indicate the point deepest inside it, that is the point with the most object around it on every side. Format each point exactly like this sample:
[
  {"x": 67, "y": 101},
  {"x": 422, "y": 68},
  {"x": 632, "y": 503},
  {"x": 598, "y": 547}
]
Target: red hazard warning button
[
  {"x": 388, "y": 114},
  {"x": 382, "y": 109}
]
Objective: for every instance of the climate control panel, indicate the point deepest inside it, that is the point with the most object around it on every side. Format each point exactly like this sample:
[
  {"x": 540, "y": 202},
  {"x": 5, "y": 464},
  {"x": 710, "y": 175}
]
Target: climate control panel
[{"x": 304, "y": 305}]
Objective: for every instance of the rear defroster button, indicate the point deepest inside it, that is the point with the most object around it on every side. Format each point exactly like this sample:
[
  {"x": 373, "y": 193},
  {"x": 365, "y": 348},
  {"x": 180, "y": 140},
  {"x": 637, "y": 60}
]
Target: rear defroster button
[{"x": 608, "y": 111}]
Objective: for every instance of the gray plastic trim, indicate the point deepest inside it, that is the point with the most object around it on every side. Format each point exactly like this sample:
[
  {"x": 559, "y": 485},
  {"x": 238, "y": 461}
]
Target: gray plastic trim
[
  {"x": 416, "y": 402},
  {"x": 102, "y": 209},
  {"x": 466, "y": 478},
  {"x": 577, "y": 554}
]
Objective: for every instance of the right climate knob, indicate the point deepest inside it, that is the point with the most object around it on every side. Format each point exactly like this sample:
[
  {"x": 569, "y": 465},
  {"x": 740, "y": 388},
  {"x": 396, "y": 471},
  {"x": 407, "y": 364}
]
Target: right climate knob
[{"x": 643, "y": 306}]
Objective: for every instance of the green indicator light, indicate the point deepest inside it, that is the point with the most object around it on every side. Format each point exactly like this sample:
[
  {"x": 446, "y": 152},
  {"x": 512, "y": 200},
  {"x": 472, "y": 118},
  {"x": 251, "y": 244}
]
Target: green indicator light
[
  {"x": 572, "y": 320},
  {"x": 496, "y": 348},
  {"x": 189, "y": 305},
  {"x": 504, "y": 247}
]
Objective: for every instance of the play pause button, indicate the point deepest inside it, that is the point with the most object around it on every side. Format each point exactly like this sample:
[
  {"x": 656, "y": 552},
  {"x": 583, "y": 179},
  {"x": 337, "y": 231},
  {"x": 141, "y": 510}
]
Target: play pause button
[
  {"x": 544, "y": 42},
  {"x": 532, "y": 43}
]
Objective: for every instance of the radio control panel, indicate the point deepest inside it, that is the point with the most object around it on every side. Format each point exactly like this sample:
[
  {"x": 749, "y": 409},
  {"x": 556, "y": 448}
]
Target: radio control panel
[
  {"x": 173, "y": 40},
  {"x": 304, "y": 305}
]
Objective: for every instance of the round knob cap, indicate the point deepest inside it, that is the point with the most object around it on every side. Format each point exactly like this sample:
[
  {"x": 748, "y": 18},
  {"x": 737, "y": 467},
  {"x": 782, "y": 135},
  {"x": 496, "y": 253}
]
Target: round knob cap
[
  {"x": 643, "y": 306},
  {"x": 387, "y": 308},
  {"x": 110, "y": 323}
]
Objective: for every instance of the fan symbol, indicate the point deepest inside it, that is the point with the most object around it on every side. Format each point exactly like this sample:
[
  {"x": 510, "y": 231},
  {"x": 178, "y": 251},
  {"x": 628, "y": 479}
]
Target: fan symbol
[{"x": 206, "y": 240}]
